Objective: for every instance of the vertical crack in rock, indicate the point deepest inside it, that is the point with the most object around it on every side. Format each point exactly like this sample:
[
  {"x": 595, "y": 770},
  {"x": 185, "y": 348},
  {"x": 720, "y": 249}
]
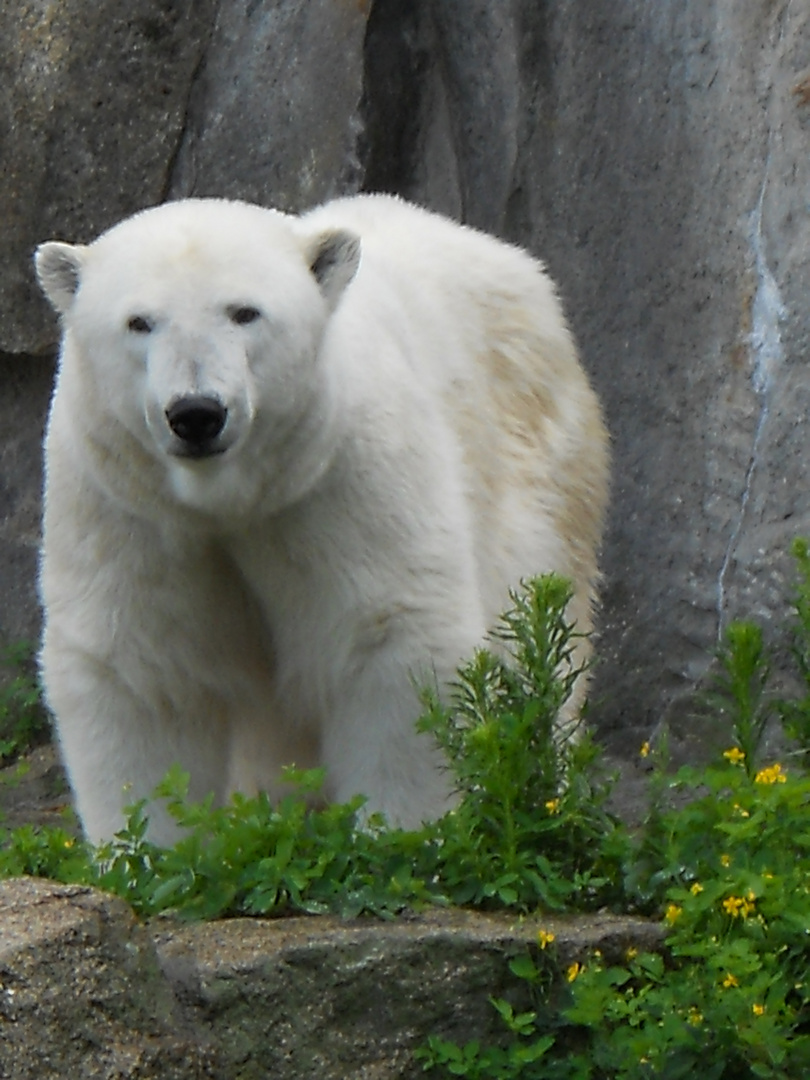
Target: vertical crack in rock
[
  {"x": 186, "y": 124},
  {"x": 767, "y": 351}
]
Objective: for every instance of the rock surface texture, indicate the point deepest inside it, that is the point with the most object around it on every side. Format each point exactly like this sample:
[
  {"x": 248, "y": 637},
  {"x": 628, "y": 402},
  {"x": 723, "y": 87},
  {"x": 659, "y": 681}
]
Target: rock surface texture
[
  {"x": 82, "y": 993},
  {"x": 85, "y": 991},
  {"x": 657, "y": 156}
]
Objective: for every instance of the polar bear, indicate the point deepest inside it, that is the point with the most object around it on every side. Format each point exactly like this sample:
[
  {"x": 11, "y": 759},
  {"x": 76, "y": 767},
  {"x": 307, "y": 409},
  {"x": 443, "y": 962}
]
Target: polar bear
[{"x": 293, "y": 466}]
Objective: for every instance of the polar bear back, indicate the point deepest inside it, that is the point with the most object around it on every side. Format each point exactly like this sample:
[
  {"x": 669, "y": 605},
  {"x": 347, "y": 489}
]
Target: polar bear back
[{"x": 498, "y": 351}]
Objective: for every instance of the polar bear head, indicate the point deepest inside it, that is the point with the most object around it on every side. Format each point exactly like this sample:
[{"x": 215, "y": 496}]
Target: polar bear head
[{"x": 193, "y": 332}]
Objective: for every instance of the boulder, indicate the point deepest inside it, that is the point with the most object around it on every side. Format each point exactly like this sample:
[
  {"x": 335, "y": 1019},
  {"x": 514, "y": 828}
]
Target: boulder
[
  {"x": 81, "y": 991},
  {"x": 86, "y": 991}
]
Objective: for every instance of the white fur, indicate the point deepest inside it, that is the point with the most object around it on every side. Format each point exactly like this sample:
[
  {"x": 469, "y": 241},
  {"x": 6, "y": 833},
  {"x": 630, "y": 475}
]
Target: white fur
[{"x": 405, "y": 440}]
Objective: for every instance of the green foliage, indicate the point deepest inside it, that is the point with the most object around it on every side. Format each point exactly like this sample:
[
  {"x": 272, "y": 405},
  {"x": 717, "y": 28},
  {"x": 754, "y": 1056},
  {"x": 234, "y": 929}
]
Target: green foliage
[
  {"x": 740, "y": 696},
  {"x": 728, "y": 870},
  {"x": 23, "y": 722},
  {"x": 49, "y": 853},
  {"x": 520, "y": 1058},
  {"x": 796, "y": 714},
  {"x": 531, "y": 828},
  {"x": 733, "y": 1001},
  {"x": 729, "y": 873},
  {"x": 730, "y": 999},
  {"x": 251, "y": 857}
]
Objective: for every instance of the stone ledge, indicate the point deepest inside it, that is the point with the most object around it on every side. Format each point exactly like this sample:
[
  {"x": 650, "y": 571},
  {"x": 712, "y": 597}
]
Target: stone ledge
[{"x": 86, "y": 990}]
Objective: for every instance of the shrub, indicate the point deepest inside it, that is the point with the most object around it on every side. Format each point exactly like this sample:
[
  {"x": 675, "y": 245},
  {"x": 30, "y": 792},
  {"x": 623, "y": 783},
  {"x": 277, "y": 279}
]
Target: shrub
[{"x": 729, "y": 873}]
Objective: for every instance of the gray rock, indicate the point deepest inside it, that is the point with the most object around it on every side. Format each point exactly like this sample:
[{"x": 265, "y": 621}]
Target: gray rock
[
  {"x": 273, "y": 116},
  {"x": 662, "y": 170},
  {"x": 656, "y": 156},
  {"x": 81, "y": 991},
  {"x": 92, "y": 105},
  {"x": 87, "y": 992},
  {"x": 664, "y": 177},
  {"x": 442, "y": 105},
  {"x": 26, "y": 383}
]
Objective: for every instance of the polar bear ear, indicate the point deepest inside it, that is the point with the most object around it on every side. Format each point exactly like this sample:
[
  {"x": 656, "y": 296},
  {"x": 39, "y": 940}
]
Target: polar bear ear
[
  {"x": 334, "y": 257},
  {"x": 59, "y": 269}
]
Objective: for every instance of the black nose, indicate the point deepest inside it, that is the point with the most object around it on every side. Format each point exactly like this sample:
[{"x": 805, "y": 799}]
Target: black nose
[{"x": 197, "y": 420}]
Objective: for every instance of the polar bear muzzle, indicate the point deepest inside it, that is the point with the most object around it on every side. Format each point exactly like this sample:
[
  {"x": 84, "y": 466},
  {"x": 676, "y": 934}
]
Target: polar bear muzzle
[{"x": 197, "y": 422}]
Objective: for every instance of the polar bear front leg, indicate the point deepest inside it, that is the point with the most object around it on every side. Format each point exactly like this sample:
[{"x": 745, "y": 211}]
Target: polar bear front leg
[
  {"x": 371, "y": 745},
  {"x": 373, "y": 748},
  {"x": 117, "y": 747}
]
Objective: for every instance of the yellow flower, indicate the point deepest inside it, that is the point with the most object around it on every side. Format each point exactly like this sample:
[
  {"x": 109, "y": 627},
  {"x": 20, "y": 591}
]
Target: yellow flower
[
  {"x": 672, "y": 914},
  {"x": 741, "y": 811},
  {"x": 725, "y": 860},
  {"x": 730, "y": 981},
  {"x": 553, "y": 806},
  {"x": 645, "y": 749},
  {"x": 631, "y": 953},
  {"x": 734, "y": 755},
  {"x": 574, "y": 970},
  {"x": 696, "y": 888},
  {"x": 737, "y": 906},
  {"x": 771, "y": 775},
  {"x": 545, "y": 937},
  {"x": 694, "y": 1017},
  {"x": 757, "y": 1009}
]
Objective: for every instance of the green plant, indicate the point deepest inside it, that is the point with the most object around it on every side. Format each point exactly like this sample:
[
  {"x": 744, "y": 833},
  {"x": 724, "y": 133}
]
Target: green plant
[
  {"x": 251, "y": 857},
  {"x": 796, "y": 713},
  {"x": 729, "y": 873},
  {"x": 23, "y": 722},
  {"x": 51, "y": 852},
  {"x": 521, "y": 1057},
  {"x": 733, "y": 1000},
  {"x": 531, "y": 828},
  {"x": 729, "y": 999}
]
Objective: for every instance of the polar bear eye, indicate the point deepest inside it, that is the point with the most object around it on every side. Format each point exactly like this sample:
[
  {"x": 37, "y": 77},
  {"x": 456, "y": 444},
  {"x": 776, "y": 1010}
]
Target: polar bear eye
[
  {"x": 244, "y": 315},
  {"x": 139, "y": 324}
]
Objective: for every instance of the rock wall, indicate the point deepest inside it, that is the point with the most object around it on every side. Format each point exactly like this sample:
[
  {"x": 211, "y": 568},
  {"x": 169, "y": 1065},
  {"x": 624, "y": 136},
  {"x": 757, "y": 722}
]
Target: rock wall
[{"x": 655, "y": 155}]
